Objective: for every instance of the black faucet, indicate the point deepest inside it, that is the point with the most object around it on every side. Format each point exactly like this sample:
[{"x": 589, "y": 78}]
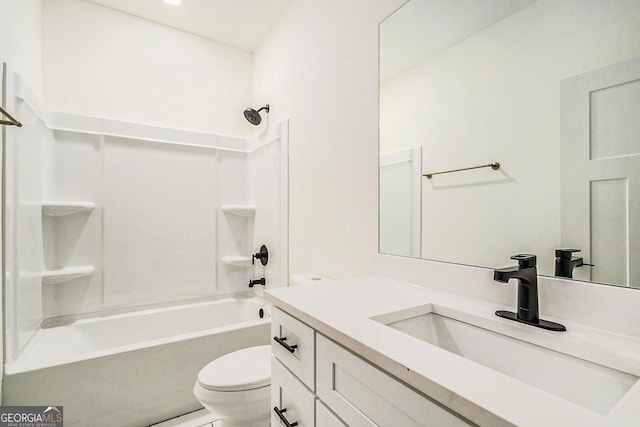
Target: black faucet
[
  {"x": 566, "y": 262},
  {"x": 527, "y": 276}
]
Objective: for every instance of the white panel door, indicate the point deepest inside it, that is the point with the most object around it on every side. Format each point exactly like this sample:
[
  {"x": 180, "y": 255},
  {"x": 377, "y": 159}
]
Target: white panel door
[{"x": 600, "y": 172}]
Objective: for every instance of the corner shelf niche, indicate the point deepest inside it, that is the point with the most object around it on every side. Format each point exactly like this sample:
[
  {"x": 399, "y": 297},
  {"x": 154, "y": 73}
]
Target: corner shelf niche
[
  {"x": 238, "y": 261},
  {"x": 59, "y": 219},
  {"x": 54, "y": 277},
  {"x": 240, "y": 210},
  {"x": 66, "y": 208}
]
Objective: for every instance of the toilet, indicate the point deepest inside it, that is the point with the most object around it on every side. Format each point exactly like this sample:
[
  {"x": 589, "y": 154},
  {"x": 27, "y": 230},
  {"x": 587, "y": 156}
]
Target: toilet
[{"x": 236, "y": 387}]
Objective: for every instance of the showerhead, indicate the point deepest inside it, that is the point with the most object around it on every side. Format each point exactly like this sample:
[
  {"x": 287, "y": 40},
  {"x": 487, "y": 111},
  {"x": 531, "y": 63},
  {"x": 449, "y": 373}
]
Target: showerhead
[{"x": 253, "y": 116}]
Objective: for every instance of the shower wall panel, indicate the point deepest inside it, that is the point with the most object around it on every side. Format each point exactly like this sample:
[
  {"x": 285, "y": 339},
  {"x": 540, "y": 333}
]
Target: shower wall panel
[
  {"x": 72, "y": 172},
  {"x": 23, "y": 237},
  {"x": 159, "y": 221},
  {"x": 234, "y": 232},
  {"x": 270, "y": 191}
]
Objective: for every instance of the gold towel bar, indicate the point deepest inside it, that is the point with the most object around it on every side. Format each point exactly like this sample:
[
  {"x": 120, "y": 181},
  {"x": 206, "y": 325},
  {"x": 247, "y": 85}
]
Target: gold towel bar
[
  {"x": 494, "y": 166},
  {"x": 11, "y": 121}
]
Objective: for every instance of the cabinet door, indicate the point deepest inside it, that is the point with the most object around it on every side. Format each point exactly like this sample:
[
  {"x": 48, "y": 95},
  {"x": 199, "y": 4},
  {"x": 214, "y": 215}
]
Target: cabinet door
[
  {"x": 363, "y": 395},
  {"x": 325, "y": 418},
  {"x": 291, "y": 401},
  {"x": 293, "y": 344}
]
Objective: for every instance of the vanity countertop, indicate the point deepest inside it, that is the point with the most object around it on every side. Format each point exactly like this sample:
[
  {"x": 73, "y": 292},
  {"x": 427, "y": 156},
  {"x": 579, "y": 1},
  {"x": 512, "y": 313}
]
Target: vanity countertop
[{"x": 343, "y": 310}]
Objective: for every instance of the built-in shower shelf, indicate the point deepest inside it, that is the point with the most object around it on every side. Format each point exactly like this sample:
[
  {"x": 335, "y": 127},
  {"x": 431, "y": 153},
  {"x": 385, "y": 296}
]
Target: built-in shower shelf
[
  {"x": 240, "y": 210},
  {"x": 66, "y": 208},
  {"x": 54, "y": 277},
  {"x": 238, "y": 261}
]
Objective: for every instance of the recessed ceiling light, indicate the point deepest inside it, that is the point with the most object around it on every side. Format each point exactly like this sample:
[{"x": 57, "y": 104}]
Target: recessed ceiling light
[{"x": 173, "y": 2}]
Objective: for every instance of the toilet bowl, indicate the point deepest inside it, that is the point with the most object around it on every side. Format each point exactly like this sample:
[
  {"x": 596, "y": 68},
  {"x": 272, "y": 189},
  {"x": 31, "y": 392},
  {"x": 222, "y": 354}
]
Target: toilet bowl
[{"x": 236, "y": 387}]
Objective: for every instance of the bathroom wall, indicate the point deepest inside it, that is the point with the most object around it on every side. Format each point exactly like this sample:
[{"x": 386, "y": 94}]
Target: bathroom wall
[
  {"x": 21, "y": 39},
  {"x": 318, "y": 67},
  {"x": 104, "y": 63},
  {"x": 526, "y": 53}
]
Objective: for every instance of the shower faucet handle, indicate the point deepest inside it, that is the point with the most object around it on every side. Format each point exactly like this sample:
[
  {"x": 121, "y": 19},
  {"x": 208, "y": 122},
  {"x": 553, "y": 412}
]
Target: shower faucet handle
[{"x": 262, "y": 255}]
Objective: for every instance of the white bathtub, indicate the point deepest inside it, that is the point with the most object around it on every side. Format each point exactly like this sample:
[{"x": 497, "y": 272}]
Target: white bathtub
[{"x": 131, "y": 369}]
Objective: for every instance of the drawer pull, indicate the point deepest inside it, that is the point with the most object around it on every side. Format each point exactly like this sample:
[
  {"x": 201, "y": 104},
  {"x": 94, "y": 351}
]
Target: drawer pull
[
  {"x": 281, "y": 341},
  {"x": 280, "y": 414}
]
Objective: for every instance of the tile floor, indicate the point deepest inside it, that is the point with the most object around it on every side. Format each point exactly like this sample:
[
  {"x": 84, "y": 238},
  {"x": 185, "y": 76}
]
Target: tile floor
[{"x": 201, "y": 418}]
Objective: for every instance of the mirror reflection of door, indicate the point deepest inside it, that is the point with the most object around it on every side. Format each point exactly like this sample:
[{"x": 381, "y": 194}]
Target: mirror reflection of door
[
  {"x": 400, "y": 202},
  {"x": 600, "y": 171}
]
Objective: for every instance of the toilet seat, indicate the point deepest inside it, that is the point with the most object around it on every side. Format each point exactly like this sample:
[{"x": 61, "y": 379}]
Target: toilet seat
[{"x": 245, "y": 369}]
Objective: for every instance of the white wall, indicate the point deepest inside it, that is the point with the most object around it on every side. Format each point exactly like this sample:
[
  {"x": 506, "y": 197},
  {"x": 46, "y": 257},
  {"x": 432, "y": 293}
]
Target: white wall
[
  {"x": 318, "y": 67},
  {"x": 21, "y": 39},
  {"x": 100, "y": 62},
  {"x": 496, "y": 97}
]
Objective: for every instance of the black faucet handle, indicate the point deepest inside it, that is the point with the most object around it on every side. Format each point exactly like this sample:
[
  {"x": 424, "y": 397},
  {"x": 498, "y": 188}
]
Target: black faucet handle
[
  {"x": 525, "y": 260},
  {"x": 262, "y": 255},
  {"x": 566, "y": 253}
]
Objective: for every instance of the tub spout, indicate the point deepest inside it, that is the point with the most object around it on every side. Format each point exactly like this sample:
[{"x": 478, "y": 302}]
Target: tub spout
[{"x": 261, "y": 281}]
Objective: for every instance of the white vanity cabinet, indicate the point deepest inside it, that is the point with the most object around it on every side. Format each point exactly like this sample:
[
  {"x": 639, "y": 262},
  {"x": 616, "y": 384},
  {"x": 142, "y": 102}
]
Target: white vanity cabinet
[{"x": 317, "y": 382}]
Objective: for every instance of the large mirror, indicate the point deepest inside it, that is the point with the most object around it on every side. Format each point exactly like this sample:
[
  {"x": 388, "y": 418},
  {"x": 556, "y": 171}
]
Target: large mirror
[{"x": 542, "y": 100}]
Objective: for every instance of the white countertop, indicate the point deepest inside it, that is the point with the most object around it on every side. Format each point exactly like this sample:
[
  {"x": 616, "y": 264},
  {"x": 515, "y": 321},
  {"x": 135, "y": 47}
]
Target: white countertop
[{"x": 342, "y": 310}]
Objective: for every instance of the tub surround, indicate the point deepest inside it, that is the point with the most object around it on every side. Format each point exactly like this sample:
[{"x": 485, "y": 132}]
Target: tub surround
[
  {"x": 79, "y": 189},
  {"x": 343, "y": 311}
]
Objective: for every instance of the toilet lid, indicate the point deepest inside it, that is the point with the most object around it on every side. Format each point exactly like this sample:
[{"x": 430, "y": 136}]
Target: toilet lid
[{"x": 244, "y": 369}]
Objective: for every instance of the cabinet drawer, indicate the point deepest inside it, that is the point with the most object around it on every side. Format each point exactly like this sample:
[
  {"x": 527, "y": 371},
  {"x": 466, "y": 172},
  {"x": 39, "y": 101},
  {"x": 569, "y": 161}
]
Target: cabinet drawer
[
  {"x": 326, "y": 418},
  {"x": 290, "y": 398},
  {"x": 363, "y": 395},
  {"x": 294, "y": 345}
]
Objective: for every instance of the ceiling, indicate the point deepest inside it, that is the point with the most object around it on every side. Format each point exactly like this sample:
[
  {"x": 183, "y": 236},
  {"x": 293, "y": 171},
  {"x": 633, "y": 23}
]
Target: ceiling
[
  {"x": 422, "y": 28},
  {"x": 238, "y": 23}
]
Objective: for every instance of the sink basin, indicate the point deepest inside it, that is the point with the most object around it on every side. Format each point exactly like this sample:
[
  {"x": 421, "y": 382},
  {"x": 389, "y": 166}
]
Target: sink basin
[{"x": 590, "y": 385}]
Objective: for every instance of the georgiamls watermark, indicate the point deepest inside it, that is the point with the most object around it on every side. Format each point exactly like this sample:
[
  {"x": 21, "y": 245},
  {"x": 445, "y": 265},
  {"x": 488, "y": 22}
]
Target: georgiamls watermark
[{"x": 31, "y": 416}]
